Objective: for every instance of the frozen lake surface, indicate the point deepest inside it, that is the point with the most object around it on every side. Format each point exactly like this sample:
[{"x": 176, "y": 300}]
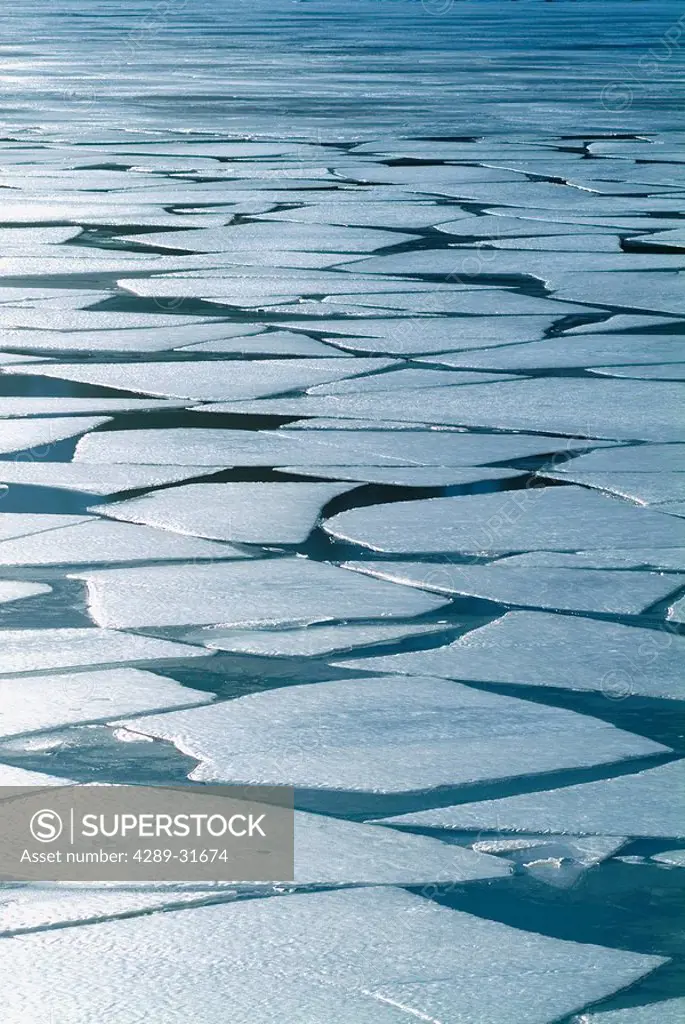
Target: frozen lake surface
[{"x": 342, "y": 446}]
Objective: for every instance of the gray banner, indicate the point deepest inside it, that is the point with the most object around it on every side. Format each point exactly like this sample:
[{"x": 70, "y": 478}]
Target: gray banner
[{"x": 146, "y": 833}]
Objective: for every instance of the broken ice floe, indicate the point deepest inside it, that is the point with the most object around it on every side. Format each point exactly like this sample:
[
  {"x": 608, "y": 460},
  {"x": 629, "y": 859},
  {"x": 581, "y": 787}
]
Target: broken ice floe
[
  {"x": 211, "y": 380},
  {"x": 602, "y": 407},
  {"x": 556, "y": 588},
  {"x": 269, "y": 591},
  {"x": 306, "y": 642},
  {"x": 202, "y": 446},
  {"x": 35, "y": 703},
  {"x": 25, "y": 435},
  {"x": 250, "y": 513},
  {"x": 385, "y": 735},
  {"x": 407, "y": 956},
  {"x": 41, "y": 650},
  {"x": 556, "y": 518},
  {"x": 92, "y": 478},
  {"x": 649, "y": 803},
  {"x": 96, "y": 542},
  {"x": 541, "y": 649}
]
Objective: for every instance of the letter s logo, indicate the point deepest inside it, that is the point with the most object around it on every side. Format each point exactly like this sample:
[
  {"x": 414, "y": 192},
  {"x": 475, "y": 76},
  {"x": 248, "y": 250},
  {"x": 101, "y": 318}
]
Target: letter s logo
[{"x": 46, "y": 825}]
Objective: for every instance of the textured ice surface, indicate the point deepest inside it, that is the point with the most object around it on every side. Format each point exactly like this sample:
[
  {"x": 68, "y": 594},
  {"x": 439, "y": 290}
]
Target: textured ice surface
[
  {"x": 675, "y": 858},
  {"x": 592, "y": 407},
  {"x": 306, "y": 642},
  {"x": 40, "y": 650},
  {"x": 405, "y": 336},
  {"x": 131, "y": 340},
  {"x": 18, "y": 436},
  {"x": 488, "y": 302},
  {"x": 274, "y": 236},
  {"x": 98, "y": 541},
  {"x": 34, "y": 703},
  {"x": 17, "y": 590},
  {"x": 211, "y": 380},
  {"x": 659, "y": 371},
  {"x": 250, "y": 513},
  {"x": 367, "y": 213},
  {"x": 649, "y": 803},
  {"x": 409, "y": 378},
  {"x": 366, "y": 956},
  {"x": 669, "y": 1012},
  {"x": 645, "y": 488},
  {"x": 329, "y": 850},
  {"x": 385, "y": 735},
  {"x": 643, "y": 458},
  {"x": 557, "y": 518},
  {"x": 91, "y": 320},
  {"x": 542, "y": 649},
  {"x": 664, "y": 295},
  {"x": 279, "y": 343},
  {"x": 607, "y": 558},
  {"x": 96, "y": 479},
  {"x": 583, "y": 849},
  {"x": 11, "y": 776},
  {"x": 19, "y": 524},
  {"x": 589, "y": 350},
  {"x": 622, "y": 322},
  {"x": 17, "y": 408},
  {"x": 551, "y": 267},
  {"x": 259, "y": 592},
  {"x": 406, "y": 476},
  {"x": 558, "y": 588},
  {"x": 200, "y": 446}
]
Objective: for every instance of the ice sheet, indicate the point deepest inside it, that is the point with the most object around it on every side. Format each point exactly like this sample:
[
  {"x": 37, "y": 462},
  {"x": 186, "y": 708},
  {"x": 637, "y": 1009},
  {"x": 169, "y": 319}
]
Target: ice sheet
[
  {"x": 385, "y": 735},
  {"x": 280, "y": 343},
  {"x": 643, "y": 458},
  {"x": 34, "y": 703},
  {"x": 407, "y": 958},
  {"x": 557, "y": 518},
  {"x": 626, "y": 593},
  {"x": 20, "y": 524},
  {"x": 248, "y": 513},
  {"x": 282, "y": 590},
  {"x": 592, "y": 407},
  {"x": 607, "y": 558},
  {"x": 131, "y": 339},
  {"x": 200, "y": 446},
  {"x": 642, "y": 487},
  {"x": 542, "y": 649},
  {"x": 211, "y": 380},
  {"x": 42, "y": 433},
  {"x": 273, "y": 236},
  {"x": 98, "y": 542},
  {"x": 315, "y": 640},
  {"x": 565, "y": 352},
  {"x": 15, "y": 407},
  {"x": 658, "y": 371},
  {"x": 96, "y": 479},
  {"x": 41, "y": 650},
  {"x": 649, "y": 803}
]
